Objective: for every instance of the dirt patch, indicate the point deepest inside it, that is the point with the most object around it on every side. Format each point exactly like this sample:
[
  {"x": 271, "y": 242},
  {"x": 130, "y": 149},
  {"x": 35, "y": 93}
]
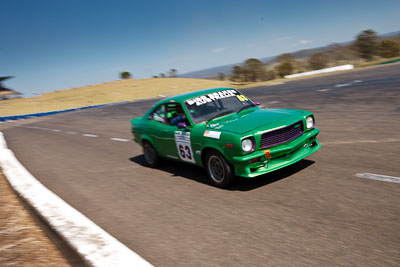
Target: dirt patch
[{"x": 24, "y": 239}]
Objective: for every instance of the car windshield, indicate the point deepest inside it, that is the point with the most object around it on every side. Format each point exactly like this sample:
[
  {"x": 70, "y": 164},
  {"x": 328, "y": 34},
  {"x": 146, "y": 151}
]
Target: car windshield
[{"x": 213, "y": 105}]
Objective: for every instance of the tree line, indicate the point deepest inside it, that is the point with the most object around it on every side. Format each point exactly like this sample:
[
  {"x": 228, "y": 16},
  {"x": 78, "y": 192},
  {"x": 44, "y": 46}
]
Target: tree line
[
  {"x": 173, "y": 73},
  {"x": 367, "y": 46}
]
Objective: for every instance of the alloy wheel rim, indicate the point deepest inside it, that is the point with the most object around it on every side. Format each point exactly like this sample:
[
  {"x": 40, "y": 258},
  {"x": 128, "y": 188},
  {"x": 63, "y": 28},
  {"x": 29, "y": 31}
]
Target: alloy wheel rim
[{"x": 216, "y": 167}]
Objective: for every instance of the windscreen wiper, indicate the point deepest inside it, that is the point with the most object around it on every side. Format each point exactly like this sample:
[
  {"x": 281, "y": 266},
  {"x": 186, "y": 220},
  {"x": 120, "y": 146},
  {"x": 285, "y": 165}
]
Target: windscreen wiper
[
  {"x": 246, "y": 107},
  {"x": 220, "y": 115}
]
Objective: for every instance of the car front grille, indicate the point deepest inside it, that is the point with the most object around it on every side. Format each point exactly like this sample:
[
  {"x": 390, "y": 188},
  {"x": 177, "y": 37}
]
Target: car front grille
[{"x": 282, "y": 135}]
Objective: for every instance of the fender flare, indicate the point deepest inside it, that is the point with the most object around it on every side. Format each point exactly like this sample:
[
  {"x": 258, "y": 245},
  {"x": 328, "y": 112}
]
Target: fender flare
[
  {"x": 211, "y": 146},
  {"x": 148, "y": 138}
]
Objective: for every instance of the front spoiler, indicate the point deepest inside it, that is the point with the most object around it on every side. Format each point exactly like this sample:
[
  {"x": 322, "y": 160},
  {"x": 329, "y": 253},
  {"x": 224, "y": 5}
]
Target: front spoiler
[{"x": 281, "y": 156}]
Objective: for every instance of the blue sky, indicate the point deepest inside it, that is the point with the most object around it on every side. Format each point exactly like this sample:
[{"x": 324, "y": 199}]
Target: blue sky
[{"x": 58, "y": 44}]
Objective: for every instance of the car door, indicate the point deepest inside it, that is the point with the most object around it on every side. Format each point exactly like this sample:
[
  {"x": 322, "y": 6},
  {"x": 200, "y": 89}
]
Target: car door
[
  {"x": 179, "y": 140},
  {"x": 158, "y": 130}
]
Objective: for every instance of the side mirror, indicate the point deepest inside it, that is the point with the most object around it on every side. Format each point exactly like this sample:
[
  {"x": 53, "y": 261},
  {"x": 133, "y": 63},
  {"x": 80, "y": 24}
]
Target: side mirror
[
  {"x": 182, "y": 125},
  {"x": 256, "y": 102},
  {"x": 150, "y": 116}
]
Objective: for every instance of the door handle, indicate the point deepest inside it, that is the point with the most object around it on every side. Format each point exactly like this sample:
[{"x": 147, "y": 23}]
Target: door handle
[{"x": 164, "y": 131}]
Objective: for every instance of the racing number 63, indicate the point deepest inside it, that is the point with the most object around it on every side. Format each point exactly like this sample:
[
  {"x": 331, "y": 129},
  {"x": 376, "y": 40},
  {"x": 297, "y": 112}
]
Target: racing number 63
[
  {"x": 183, "y": 146},
  {"x": 185, "y": 152}
]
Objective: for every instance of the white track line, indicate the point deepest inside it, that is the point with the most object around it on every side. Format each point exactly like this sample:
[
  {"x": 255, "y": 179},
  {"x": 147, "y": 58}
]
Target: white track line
[
  {"x": 70, "y": 132},
  {"x": 90, "y": 135},
  {"x": 379, "y": 177},
  {"x": 342, "y": 85},
  {"x": 93, "y": 244},
  {"x": 30, "y": 127},
  {"x": 119, "y": 139},
  {"x": 324, "y": 90},
  {"x": 386, "y": 140}
]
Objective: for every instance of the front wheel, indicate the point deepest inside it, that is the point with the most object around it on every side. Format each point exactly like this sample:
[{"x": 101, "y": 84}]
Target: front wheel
[
  {"x": 150, "y": 155},
  {"x": 218, "y": 169}
]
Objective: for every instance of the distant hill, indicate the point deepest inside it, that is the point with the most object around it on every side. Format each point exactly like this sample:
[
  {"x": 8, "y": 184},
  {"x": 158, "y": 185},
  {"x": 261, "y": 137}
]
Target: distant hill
[
  {"x": 391, "y": 34},
  {"x": 212, "y": 73}
]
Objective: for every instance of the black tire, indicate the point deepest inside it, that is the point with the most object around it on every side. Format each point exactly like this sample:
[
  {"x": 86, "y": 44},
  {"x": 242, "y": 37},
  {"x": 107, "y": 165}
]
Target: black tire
[
  {"x": 219, "y": 170},
  {"x": 150, "y": 155}
]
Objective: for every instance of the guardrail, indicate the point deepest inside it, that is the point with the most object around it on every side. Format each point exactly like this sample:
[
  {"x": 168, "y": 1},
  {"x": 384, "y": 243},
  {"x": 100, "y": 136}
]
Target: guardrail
[{"x": 337, "y": 68}]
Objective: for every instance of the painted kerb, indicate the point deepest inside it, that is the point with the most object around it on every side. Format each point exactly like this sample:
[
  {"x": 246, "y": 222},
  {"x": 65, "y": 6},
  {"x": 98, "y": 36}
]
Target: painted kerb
[{"x": 93, "y": 244}]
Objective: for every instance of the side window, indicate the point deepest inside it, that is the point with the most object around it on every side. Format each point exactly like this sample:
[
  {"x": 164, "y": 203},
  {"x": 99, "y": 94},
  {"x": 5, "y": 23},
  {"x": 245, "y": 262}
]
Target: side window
[
  {"x": 159, "y": 114},
  {"x": 175, "y": 114}
]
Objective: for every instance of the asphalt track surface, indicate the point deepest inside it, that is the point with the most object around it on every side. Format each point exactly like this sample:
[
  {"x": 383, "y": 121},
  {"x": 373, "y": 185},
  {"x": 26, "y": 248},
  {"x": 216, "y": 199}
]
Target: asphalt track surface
[{"x": 316, "y": 212}]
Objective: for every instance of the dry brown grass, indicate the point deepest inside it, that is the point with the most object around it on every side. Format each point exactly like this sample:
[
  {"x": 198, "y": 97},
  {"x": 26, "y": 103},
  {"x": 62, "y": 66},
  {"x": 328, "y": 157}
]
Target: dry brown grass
[
  {"x": 122, "y": 90},
  {"x": 22, "y": 241}
]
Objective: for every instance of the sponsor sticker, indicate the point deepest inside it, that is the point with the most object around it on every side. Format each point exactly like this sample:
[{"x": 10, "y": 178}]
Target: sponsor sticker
[
  {"x": 242, "y": 98},
  {"x": 214, "y": 125},
  {"x": 212, "y": 134}
]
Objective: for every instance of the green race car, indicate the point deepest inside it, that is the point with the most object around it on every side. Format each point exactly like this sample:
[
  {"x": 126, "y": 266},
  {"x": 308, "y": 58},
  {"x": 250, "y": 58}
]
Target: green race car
[{"x": 225, "y": 132}]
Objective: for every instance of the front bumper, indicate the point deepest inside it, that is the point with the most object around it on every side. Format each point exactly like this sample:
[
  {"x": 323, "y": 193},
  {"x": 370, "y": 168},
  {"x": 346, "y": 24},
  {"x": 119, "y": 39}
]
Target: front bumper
[{"x": 281, "y": 156}]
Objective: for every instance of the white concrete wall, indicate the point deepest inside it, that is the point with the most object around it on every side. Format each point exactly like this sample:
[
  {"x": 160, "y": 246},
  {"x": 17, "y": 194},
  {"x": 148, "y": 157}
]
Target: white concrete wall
[{"x": 337, "y": 68}]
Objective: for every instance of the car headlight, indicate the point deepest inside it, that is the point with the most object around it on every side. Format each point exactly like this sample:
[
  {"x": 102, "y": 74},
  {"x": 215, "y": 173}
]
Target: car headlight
[
  {"x": 310, "y": 122},
  {"x": 247, "y": 145}
]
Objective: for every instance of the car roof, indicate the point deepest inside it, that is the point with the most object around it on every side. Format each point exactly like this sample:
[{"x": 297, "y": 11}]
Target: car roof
[{"x": 183, "y": 97}]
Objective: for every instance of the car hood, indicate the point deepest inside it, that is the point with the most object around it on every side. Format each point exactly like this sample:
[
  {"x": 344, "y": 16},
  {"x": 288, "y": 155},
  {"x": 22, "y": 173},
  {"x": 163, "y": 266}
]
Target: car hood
[{"x": 256, "y": 118}]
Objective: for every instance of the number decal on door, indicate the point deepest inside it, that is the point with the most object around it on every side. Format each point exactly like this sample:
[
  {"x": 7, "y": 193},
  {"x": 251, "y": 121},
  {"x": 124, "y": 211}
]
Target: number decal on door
[
  {"x": 183, "y": 146},
  {"x": 188, "y": 152},
  {"x": 185, "y": 152},
  {"x": 181, "y": 151}
]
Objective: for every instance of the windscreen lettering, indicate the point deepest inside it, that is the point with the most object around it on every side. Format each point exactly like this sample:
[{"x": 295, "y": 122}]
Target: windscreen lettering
[{"x": 211, "y": 97}]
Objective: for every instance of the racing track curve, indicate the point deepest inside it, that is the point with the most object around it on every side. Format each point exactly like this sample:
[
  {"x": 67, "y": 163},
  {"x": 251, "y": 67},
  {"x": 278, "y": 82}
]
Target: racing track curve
[{"x": 316, "y": 212}]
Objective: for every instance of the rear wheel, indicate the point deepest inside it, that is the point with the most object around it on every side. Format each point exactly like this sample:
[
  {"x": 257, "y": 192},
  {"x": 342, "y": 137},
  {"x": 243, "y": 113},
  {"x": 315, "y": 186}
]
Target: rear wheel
[
  {"x": 150, "y": 155},
  {"x": 219, "y": 170}
]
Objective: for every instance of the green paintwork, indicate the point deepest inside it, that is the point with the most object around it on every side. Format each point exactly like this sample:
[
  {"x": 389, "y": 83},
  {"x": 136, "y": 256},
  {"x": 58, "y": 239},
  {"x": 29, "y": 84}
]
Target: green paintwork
[{"x": 232, "y": 129}]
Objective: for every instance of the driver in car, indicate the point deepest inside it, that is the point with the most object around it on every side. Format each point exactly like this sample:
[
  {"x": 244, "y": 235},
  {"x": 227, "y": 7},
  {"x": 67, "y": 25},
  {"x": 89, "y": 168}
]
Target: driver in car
[{"x": 178, "y": 117}]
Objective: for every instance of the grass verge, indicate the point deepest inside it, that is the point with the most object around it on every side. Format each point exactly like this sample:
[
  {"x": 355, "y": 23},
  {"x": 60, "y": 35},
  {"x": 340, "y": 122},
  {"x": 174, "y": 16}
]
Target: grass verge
[
  {"x": 23, "y": 241},
  {"x": 110, "y": 92}
]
